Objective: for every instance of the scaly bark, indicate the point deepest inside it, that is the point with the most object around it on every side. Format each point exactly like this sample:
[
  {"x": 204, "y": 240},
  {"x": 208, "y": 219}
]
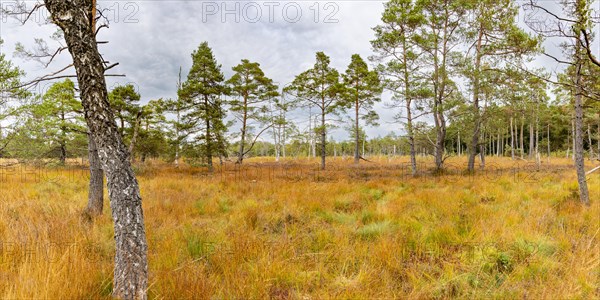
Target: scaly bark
[
  {"x": 96, "y": 187},
  {"x": 476, "y": 124},
  {"x": 578, "y": 151},
  {"x": 74, "y": 17}
]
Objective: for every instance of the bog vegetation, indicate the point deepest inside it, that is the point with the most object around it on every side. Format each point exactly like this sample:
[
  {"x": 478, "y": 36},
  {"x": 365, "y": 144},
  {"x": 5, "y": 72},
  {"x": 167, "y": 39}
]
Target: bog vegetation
[
  {"x": 486, "y": 188},
  {"x": 291, "y": 231}
]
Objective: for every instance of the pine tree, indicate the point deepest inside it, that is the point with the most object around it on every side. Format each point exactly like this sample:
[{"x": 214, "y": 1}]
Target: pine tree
[
  {"x": 253, "y": 90},
  {"x": 10, "y": 89},
  {"x": 362, "y": 90},
  {"x": 60, "y": 116},
  {"x": 494, "y": 35},
  {"x": 319, "y": 86},
  {"x": 124, "y": 102},
  {"x": 400, "y": 60}
]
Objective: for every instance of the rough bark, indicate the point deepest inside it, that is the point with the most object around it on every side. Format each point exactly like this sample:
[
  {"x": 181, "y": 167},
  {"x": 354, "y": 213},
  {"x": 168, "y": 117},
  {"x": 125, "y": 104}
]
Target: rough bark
[
  {"x": 409, "y": 121},
  {"x": 96, "y": 188},
  {"x": 63, "y": 153},
  {"x": 208, "y": 140},
  {"x": 549, "y": 143},
  {"x": 243, "y": 131},
  {"x": 531, "y": 140},
  {"x": 63, "y": 140},
  {"x": 131, "y": 268},
  {"x": 512, "y": 139},
  {"x": 477, "y": 123},
  {"x": 589, "y": 134},
  {"x": 136, "y": 132},
  {"x": 573, "y": 135},
  {"x": 323, "y": 138},
  {"x": 522, "y": 140},
  {"x": 578, "y": 151},
  {"x": 357, "y": 133}
]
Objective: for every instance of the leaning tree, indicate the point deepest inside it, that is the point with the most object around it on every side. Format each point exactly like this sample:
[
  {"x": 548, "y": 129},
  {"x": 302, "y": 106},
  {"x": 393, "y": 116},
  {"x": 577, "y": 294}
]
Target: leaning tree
[{"x": 77, "y": 22}]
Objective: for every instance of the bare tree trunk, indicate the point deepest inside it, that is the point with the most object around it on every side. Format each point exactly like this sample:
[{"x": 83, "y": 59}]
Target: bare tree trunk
[
  {"x": 573, "y": 135},
  {"x": 357, "y": 134},
  {"x": 537, "y": 141},
  {"x": 208, "y": 139},
  {"x": 589, "y": 133},
  {"x": 63, "y": 140},
  {"x": 512, "y": 139},
  {"x": 131, "y": 265},
  {"x": 283, "y": 137},
  {"x": 482, "y": 151},
  {"x": 440, "y": 139},
  {"x": 323, "y": 139},
  {"x": 243, "y": 131},
  {"x": 136, "y": 131},
  {"x": 578, "y": 150},
  {"x": 63, "y": 153},
  {"x": 522, "y": 140},
  {"x": 531, "y": 140},
  {"x": 498, "y": 144},
  {"x": 411, "y": 141},
  {"x": 549, "y": 153},
  {"x": 459, "y": 145},
  {"x": 178, "y": 122},
  {"x": 96, "y": 188},
  {"x": 477, "y": 122}
]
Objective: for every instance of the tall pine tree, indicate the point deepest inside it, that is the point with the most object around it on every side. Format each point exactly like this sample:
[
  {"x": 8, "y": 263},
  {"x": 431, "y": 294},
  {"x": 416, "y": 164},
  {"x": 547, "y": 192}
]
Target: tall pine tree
[
  {"x": 253, "y": 90},
  {"x": 319, "y": 86},
  {"x": 201, "y": 95},
  {"x": 362, "y": 89}
]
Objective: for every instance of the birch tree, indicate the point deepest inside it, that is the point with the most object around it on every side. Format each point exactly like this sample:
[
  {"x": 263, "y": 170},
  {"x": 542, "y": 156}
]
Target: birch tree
[{"x": 75, "y": 19}]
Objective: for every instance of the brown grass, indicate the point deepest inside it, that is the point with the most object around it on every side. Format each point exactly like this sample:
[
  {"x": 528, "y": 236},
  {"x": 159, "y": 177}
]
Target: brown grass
[{"x": 289, "y": 231}]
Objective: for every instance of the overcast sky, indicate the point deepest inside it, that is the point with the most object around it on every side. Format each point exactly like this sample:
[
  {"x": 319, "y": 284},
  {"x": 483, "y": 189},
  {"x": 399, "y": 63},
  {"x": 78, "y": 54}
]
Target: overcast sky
[{"x": 152, "y": 39}]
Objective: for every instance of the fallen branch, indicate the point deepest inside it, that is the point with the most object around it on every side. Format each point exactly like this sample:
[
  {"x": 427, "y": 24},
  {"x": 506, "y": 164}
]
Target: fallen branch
[
  {"x": 592, "y": 170},
  {"x": 362, "y": 158}
]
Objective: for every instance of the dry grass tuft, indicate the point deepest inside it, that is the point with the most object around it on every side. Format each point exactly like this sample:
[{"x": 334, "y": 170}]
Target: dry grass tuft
[{"x": 291, "y": 231}]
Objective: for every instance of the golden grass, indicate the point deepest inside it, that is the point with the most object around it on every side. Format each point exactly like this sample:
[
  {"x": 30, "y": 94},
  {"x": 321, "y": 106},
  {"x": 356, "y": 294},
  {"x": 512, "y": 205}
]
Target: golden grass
[{"x": 290, "y": 231}]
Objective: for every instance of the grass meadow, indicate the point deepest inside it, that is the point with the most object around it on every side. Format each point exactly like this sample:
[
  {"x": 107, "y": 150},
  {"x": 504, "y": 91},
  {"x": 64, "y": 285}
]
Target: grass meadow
[{"x": 288, "y": 231}]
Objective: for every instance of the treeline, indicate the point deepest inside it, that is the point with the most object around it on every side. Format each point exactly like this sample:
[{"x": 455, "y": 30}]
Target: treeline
[{"x": 455, "y": 71}]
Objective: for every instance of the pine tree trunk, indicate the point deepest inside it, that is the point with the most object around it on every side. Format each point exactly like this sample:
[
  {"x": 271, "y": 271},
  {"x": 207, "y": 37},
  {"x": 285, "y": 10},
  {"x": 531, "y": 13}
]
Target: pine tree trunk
[
  {"x": 574, "y": 136},
  {"x": 63, "y": 153},
  {"x": 477, "y": 122},
  {"x": 131, "y": 265},
  {"x": 136, "y": 131},
  {"x": 498, "y": 144},
  {"x": 512, "y": 139},
  {"x": 531, "y": 140},
  {"x": 589, "y": 133},
  {"x": 549, "y": 153},
  {"x": 537, "y": 140},
  {"x": 283, "y": 138},
  {"x": 459, "y": 145},
  {"x": 441, "y": 138},
  {"x": 356, "y": 135},
  {"x": 578, "y": 150},
  {"x": 522, "y": 140},
  {"x": 208, "y": 138},
  {"x": 411, "y": 141},
  {"x": 96, "y": 189},
  {"x": 323, "y": 139},
  {"x": 243, "y": 131}
]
